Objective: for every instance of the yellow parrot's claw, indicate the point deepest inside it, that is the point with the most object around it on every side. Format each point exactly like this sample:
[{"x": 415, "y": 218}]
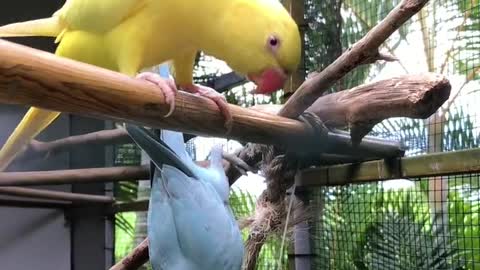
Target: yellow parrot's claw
[
  {"x": 167, "y": 88},
  {"x": 218, "y": 98}
]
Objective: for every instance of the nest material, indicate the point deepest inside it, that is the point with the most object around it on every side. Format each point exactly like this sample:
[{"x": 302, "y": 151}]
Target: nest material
[
  {"x": 271, "y": 210},
  {"x": 269, "y": 220}
]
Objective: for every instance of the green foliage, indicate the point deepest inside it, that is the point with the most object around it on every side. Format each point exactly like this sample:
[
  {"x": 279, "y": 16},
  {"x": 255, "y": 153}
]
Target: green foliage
[
  {"x": 127, "y": 155},
  {"x": 126, "y": 191},
  {"x": 464, "y": 209},
  {"x": 401, "y": 242},
  {"x": 459, "y": 131},
  {"x": 124, "y": 234},
  {"x": 464, "y": 26},
  {"x": 323, "y": 36},
  {"x": 242, "y": 203},
  {"x": 349, "y": 211}
]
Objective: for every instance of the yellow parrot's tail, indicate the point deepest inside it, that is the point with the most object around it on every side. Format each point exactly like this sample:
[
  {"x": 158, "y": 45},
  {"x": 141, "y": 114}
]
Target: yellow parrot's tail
[
  {"x": 31, "y": 125},
  {"x": 48, "y": 27},
  {"x": 36, "y": 119}
]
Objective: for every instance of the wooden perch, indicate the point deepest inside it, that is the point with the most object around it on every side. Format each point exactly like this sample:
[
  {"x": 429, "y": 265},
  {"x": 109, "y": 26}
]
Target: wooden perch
[
  {"x": 75, "y": 176},
  {"x": 36, "y": 78},
  {"x": 34, "y": 204},
  {"x": 81, "y": 176},
  {"x": 55, "y": 195},
  {"x": 37, "y": 149},
  {"x": 135, "y": 259},
  {"x": 364, "y": 51},
  {"x": 415, "y": 96}
]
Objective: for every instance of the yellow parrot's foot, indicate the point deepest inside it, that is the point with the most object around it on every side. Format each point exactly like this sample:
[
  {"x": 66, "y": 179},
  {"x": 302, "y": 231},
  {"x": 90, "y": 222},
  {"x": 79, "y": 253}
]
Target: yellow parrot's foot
[
  {"x": 218, "y": 98},
  {"x": 166, "y": 86}
]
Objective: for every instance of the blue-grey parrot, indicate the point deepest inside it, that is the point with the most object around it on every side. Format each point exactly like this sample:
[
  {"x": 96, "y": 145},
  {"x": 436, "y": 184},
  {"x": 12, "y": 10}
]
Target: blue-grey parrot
[{"x": 190, "y": 223}]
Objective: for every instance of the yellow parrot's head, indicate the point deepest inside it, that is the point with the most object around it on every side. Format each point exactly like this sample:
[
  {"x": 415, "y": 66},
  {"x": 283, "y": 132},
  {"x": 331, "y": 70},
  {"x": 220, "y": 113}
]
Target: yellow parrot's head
[{"x": 267, "y": 44}]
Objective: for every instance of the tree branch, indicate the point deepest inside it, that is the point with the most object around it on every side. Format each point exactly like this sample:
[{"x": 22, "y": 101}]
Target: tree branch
[
  {"x": 416, "y": 96},
  {"x": 75, "y": 176},
  {"x": 35, "y": 78},
  {"x": 37, "y": 149},
  {"x": 135, "y": 259},
  {"x": 366, "y": 48},
  {"x": 82, "y": 176},
  {"x": 56, "y": 195}
]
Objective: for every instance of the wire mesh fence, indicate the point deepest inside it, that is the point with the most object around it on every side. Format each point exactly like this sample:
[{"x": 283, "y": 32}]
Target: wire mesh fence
[
  {"x": 424, "y": 223},
  {"x": 396, "y": 225}
]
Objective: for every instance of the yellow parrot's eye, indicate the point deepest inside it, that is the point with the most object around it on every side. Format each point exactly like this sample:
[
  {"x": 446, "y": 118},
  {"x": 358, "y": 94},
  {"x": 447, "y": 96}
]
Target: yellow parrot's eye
[{"x": 273, "y": 43}]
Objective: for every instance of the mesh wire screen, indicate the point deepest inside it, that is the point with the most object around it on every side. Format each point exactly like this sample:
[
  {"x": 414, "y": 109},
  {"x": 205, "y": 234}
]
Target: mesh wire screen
[
  {"x": 396, "y": 225},
  {"x": 429, "y": 223}
]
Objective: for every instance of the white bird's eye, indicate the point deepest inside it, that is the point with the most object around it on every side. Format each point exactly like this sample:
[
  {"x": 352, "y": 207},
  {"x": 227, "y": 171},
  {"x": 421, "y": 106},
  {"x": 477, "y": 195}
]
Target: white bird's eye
[{"x": 273, "y": 42}]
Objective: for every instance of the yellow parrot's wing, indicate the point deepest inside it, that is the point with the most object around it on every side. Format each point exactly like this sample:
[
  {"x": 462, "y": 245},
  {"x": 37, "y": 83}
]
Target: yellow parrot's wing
[
  {"x": 97, "y": 16},
  {"x": 94, "y": 17},
  {"x": 82, "y": 15}
]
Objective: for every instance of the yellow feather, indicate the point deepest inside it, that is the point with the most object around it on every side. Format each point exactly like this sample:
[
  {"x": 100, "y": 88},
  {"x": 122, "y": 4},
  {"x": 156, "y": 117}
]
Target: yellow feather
[
  {"x": 49, "y": 27},
  {"x": 130, "y": 35}
]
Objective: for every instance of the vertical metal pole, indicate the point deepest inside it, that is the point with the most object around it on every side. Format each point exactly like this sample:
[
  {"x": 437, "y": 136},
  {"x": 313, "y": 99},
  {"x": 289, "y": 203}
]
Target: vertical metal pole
[{"x": 302, "y": 240}]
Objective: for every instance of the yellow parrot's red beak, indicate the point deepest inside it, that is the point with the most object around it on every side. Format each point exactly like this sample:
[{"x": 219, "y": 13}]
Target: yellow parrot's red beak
[{"x": 268, "y": 81}]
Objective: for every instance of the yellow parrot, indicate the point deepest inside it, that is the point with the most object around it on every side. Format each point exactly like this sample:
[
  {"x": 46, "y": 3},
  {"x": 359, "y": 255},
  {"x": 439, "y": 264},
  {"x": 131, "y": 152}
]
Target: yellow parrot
[{"x": 256, "y": 38}]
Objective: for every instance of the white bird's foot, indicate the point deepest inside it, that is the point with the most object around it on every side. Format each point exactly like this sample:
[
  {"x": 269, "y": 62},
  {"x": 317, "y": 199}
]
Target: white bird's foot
[
  {"x": 218, "y": 98},
  {"x": 166, "y": 87}
]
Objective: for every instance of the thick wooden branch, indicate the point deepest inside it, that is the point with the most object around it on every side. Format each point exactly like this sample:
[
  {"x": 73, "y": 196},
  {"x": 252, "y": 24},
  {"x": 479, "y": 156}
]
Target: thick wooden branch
[
  {"x": 416, "y": 96},
  {"x": 75, "y": 176},
  {"x": 44, "y": 80},
  {"x": 36, "y": 78},
  {"x": 362, "y": 52},
  {"x": 55, "y": 195}
]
